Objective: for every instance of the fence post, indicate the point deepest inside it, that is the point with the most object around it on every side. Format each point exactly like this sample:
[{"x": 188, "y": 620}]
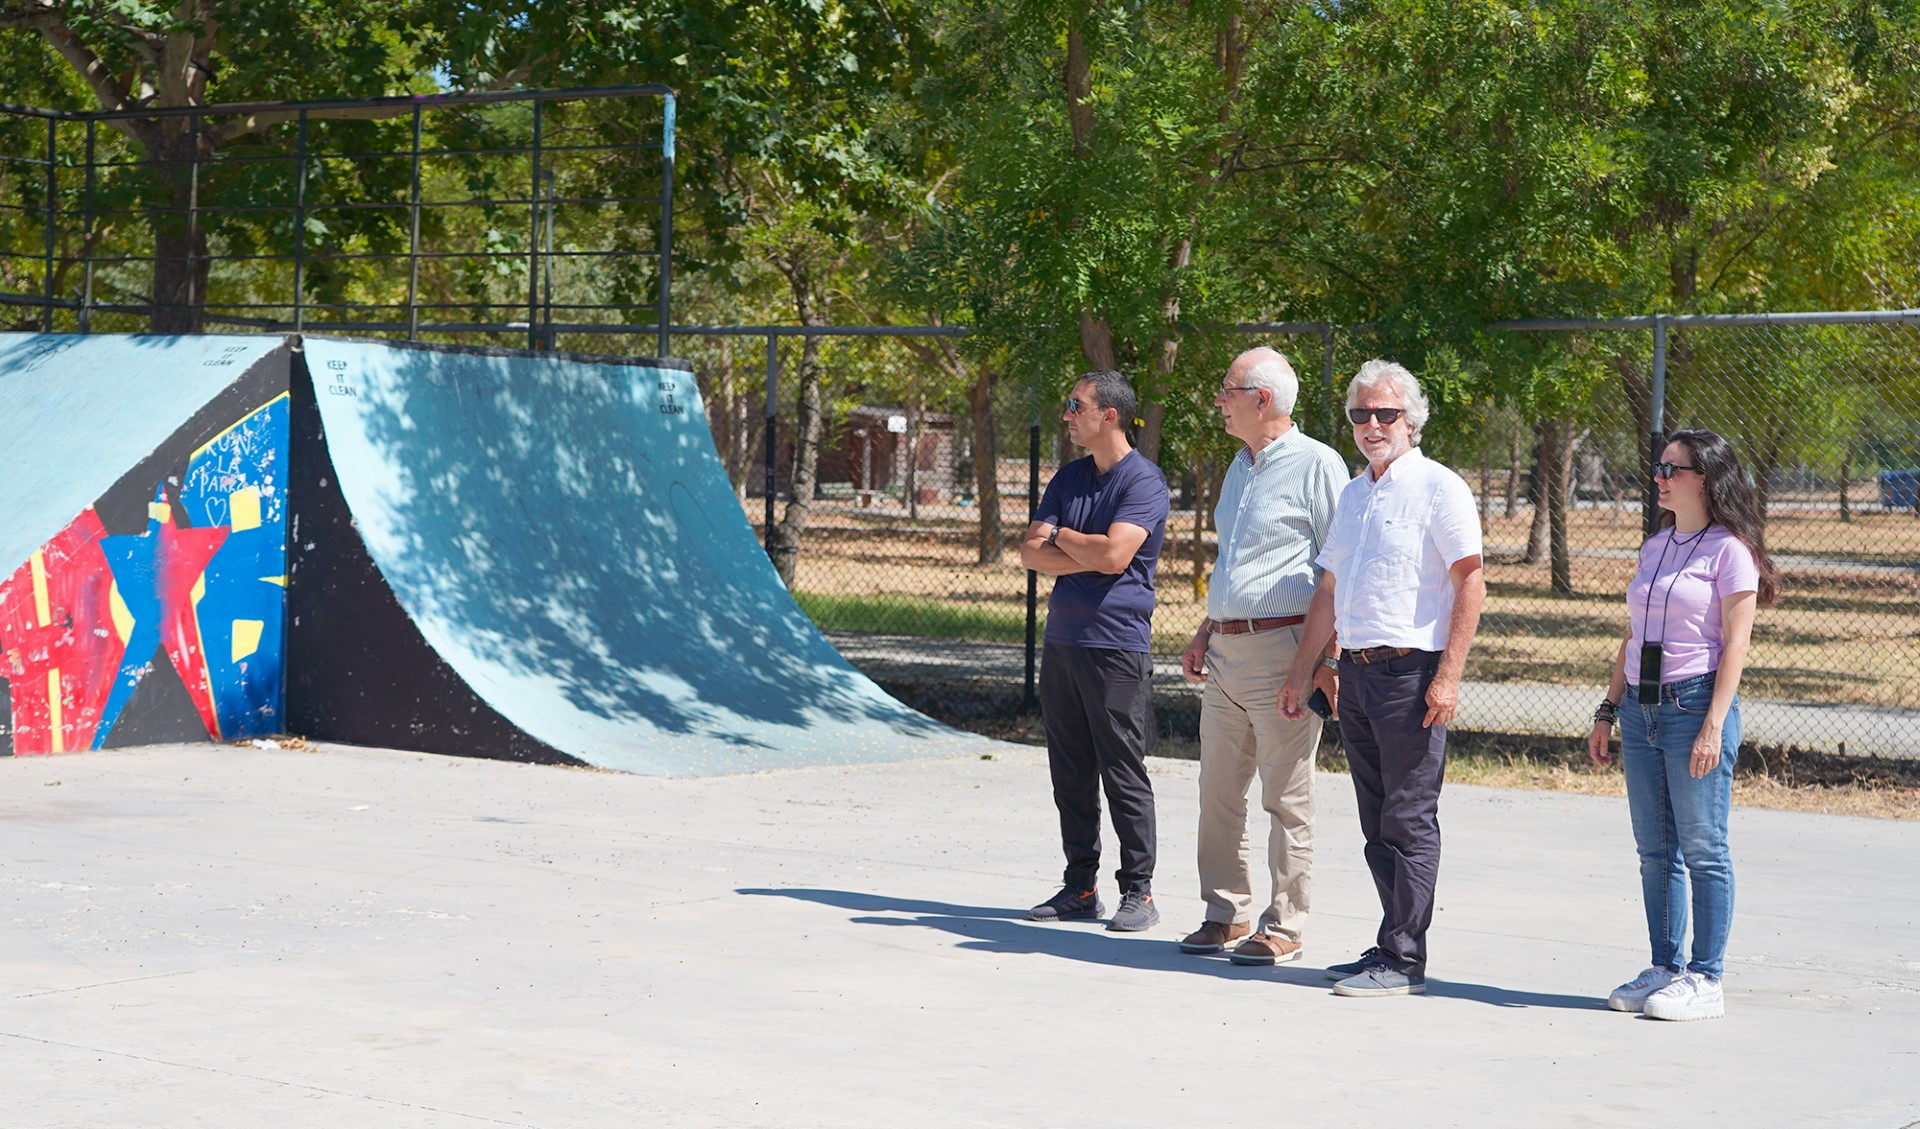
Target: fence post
[
  {"x": 53, "y": 195},
  {"x": 1028, "y": 699},
  {"x": 413, "y": 234},
  {"x": 300, "y": 227},
  {"x": 533, "y": 232},
  {"x": 773, "y": 409},
  {"x": 663, "y": 312},
  {"x": 1326, "y": 379},
  {"x": 1657, "y": 417},
  {"x": 86, "y": 239}
]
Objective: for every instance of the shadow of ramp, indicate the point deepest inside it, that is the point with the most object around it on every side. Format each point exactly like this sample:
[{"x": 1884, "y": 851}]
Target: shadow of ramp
[{"x": 559, "y": 532}]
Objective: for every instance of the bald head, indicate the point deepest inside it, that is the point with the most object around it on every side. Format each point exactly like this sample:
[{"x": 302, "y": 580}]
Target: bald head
[{"x": 1268, "y": 370}]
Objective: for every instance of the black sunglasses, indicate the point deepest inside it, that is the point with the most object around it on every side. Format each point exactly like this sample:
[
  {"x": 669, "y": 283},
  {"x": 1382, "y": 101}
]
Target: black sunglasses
[
  {"x": 1665, "y": 470},
  {"x": 1075, "y": 407},
  {"x": 1384, "y": 415}
]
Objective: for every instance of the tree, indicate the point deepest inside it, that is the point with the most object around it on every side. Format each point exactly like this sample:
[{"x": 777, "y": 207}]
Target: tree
[{"x": 138, "y": 54}]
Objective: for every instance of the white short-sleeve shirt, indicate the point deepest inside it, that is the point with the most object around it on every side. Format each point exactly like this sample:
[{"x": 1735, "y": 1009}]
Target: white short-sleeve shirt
[{"x": 1390, "y": 549}]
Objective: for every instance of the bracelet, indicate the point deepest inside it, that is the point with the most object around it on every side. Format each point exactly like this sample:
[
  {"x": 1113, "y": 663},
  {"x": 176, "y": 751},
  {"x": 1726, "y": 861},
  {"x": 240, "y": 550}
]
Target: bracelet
[{"x": 1607, "y": 712}]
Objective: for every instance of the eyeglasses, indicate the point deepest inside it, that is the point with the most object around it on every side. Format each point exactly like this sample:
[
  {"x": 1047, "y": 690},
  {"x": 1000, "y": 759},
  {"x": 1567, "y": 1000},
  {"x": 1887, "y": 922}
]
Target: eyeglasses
[
  {"x": 1665, "y": 470},
  {"x": 1386, "y": 416},
  {"x": 1075, "y": 406},
  {"x": 1224, "y": 389}
]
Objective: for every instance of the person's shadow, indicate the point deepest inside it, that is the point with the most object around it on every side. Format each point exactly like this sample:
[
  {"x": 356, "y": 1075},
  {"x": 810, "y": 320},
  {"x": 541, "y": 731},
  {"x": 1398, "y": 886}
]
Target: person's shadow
[{"x": 997, "y": 929}]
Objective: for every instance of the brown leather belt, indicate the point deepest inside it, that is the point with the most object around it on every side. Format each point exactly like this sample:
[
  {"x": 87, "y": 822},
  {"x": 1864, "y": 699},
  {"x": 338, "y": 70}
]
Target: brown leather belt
[
  {"x": 1242, "y": 626},
  {"x": 1370, "y": 655}
]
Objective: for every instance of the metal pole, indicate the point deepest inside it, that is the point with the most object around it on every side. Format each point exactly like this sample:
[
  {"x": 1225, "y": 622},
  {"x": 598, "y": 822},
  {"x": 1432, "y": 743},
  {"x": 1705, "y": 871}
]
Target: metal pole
[
  {"x": 1656, "y": 438},
  {"x": 300, "y": 227},
  {"x": 773, "y": 407},
  {"x": 533, "y": 240},
  {"x": 86, "y": 241},
  {"x": 665, "y": 311},
  {"x": 1029, "y": 700},
  {"x": 413, "y": 239},
  {"x": 546, "y": 267},
  {"x": 196, "y": 299},
  {"x": 1326, "y": 380},
  {"x": 53, "y": 190}
]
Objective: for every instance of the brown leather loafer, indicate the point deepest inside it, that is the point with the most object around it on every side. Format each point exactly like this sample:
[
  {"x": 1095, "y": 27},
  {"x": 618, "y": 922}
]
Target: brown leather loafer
[
  {"x": 1265, "y": 948},
  {"x": 1212, "y": 936}
]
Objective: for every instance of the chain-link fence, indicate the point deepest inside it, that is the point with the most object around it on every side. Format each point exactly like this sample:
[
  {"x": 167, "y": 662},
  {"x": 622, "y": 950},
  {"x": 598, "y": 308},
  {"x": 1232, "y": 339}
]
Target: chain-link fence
[{"x": 931, "y": 448}]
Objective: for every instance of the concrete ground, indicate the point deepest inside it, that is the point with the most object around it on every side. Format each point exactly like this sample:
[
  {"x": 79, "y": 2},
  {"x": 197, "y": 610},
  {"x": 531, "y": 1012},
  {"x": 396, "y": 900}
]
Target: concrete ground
[{"x": 351, "y": 937}]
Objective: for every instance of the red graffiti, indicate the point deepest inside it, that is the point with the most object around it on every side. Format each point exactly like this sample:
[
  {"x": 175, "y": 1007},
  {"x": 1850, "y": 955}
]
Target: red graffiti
[{"x": 59, "y": 649}]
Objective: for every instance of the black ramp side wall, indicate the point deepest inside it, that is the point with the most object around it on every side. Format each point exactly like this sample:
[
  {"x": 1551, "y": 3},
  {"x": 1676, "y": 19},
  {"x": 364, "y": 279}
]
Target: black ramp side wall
[{"x": 359, "y": 671}]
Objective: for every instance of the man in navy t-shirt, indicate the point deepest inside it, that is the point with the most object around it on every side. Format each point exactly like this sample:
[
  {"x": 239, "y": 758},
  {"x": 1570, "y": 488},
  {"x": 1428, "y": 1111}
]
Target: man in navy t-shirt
[{"x": 1098, "y": 532}]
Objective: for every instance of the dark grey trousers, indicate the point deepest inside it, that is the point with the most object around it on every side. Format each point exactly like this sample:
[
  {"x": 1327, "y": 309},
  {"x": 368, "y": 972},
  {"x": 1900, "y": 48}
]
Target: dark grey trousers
[
  {"x": 1097, "y": 703},
  {"x": 1397, "y": 767}
]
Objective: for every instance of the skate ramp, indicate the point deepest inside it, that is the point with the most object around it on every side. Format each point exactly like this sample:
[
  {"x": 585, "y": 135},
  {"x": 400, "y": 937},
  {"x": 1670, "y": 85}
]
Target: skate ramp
[{"x": 473, "y": 552}]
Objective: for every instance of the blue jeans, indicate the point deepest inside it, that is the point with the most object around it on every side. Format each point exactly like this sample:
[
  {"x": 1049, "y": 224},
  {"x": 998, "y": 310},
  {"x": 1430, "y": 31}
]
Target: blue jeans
[{"x": 1679, "y": 819}]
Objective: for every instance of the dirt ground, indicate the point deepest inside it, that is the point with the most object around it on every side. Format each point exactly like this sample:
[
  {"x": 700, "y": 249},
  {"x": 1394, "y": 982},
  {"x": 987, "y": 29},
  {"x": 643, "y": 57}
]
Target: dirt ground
[{"x": 1846, "y": 629}]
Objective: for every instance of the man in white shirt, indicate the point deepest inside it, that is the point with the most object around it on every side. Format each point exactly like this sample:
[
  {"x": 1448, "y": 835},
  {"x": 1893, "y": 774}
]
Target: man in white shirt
[
  {"x": 1402, "y": 583},
  {"x": 1275, "y": 506}
]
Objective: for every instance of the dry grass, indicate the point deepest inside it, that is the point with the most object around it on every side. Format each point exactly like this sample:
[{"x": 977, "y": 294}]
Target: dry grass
[
  {"x": 1877, "y": 796},
  {"x": 1847, "y": 629}
]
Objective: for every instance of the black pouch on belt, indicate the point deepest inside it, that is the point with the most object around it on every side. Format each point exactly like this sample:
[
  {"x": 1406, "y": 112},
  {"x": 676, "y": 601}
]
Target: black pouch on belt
[{"x": 1649, "y": 674}]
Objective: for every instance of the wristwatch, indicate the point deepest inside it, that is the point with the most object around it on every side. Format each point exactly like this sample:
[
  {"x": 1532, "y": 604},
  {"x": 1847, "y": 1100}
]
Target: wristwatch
[
  {"x": 1053, "y": 537},
  {"x": 1330, "y": 664}
]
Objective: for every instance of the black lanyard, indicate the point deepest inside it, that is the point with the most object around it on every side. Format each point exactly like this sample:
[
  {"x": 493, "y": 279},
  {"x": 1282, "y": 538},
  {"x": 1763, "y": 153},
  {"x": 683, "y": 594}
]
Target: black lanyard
[
  {"x": 1673, "y": 538},
  {"x": 1652, "y": 653}
]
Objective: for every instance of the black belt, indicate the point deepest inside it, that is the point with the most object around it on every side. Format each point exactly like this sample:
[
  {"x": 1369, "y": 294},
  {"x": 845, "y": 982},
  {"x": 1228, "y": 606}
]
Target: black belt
[
  {"x": 1367, "y": 656},
  {"x": 1242, "y": 626}
]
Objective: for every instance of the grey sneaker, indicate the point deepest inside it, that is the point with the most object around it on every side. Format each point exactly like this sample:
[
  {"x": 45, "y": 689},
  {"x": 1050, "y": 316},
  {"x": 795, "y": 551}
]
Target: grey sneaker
[
  {"x": 1136, "y": 912},
  {"x": 1690, "y": 996},
  {"x": 1072, "y": 903},
  {"x": 1382, "y": 979},
  {"x": 1353, "y": 967},
  {"x": 1632, "y": 996}
]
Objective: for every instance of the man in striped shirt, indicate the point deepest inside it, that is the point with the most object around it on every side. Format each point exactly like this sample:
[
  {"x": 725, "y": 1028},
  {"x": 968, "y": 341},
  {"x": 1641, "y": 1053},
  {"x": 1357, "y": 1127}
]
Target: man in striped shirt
[{"x": 1274, "y": 510}]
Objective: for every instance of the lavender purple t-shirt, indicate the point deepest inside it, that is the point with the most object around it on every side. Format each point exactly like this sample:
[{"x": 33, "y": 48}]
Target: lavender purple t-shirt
[{"x": 1703, "y": 569}]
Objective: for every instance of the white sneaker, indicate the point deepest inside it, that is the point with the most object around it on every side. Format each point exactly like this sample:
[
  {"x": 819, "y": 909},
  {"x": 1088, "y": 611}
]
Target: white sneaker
[
  {"x": 1632, "y": 995},
  {"x": 1690, "y": 996}
]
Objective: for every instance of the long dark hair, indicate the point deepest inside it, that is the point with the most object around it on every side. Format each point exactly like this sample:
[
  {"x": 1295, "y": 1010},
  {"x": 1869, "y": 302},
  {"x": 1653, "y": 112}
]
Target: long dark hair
[{"x": 1730, "y": 501}]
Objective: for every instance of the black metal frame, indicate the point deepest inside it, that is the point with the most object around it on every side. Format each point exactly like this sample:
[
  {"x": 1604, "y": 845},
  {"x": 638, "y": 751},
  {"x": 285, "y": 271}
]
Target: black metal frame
[{"x": 542, "y": 201}]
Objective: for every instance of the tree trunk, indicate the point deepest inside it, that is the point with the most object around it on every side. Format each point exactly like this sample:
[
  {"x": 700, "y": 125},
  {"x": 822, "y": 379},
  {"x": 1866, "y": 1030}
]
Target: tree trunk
[
  {"x": 784, "y": 547},
  {"x": 990, "y": 541},
  {"x": 1846, "y": 479},
  {"x": 1560, "y": 499},
  {"x": 179, "y": 244},
  {"x": 1198, "y": 545},
  {"x": 915, "y": 423},
  {"x": 1486, "y": 489},
  {"x": 1513, "y": 470},
  {"x": 1537, "y": 493}
]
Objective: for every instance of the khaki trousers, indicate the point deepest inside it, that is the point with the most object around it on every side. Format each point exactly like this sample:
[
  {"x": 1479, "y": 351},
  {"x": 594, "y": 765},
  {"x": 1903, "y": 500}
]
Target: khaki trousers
[{"x": 1241, "y": 734}]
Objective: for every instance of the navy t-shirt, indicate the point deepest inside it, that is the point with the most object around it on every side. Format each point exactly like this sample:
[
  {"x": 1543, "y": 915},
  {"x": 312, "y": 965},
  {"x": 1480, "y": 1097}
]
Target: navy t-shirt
[{"x": 1094, "y": 609}]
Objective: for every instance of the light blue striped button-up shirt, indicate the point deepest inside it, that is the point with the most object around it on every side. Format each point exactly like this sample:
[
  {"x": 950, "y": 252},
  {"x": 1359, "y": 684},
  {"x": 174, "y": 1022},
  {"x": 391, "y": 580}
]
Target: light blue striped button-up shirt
[{"x": 1274, "y": 511}]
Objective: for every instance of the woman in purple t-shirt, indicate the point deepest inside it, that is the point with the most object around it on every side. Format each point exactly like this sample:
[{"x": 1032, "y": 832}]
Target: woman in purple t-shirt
[{"x": 1673, "y": 690}]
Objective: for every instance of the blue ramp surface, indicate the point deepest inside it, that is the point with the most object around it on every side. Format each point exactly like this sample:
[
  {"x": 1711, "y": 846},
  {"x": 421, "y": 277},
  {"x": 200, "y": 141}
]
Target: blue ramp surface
[{"x": 562, "y": 535}]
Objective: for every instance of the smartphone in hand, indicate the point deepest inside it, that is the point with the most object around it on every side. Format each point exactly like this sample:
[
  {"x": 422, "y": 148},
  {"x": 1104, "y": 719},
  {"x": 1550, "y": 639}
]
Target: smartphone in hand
[{"x": 1318, "y": 703}]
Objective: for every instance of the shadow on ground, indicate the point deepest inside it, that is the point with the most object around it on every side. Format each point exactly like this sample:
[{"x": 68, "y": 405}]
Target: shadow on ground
[{"x": 1000, "y": 930}]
